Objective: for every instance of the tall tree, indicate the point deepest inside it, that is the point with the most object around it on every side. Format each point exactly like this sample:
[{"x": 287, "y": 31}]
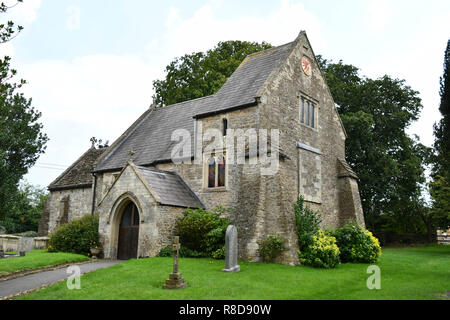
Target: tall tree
[
  {"x": 201, "y": 74},
  {"x": 442, "y": 129},
  {"x": 440, "y": 185},
  {"x": 21, "y": 137},
  {"x": 389, "y": 163},
  {"x": 25, "y": 211}
]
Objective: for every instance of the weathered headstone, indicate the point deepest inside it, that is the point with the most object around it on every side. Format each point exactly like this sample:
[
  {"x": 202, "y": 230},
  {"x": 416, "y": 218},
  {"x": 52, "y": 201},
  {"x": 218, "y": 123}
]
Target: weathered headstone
[
  {"x": 26, "y": 244},
  {"x": 41, "y": 242},
  {"x": 21, "y": 253},
  {"x": 2, "y": 253},
  {"x": 231, "y": 250},
  {"x": 175, "y": 280}
]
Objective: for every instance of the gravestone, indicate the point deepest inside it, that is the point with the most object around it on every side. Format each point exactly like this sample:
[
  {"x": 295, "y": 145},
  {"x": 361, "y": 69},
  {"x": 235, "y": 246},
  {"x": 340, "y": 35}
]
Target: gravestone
[
  {"x": 25, "y": 244},
  {"x": 21, "y": 253},
  {"x": 2, "y": 253},
  {"x": 41, "y": 242},
  {"x": 175, "y": 280},
  {"x": 231, "y": 250}
]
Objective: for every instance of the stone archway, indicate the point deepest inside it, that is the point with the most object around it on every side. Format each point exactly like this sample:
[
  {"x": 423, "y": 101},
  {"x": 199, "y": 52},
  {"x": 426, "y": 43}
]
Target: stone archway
[
  {"x": 128, "y": 241},
  {"x": 124, "y": 227}
]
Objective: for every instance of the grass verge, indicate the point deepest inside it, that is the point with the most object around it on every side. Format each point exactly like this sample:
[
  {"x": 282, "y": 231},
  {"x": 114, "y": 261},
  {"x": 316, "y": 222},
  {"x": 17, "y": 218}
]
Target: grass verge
[
  {"x": 406, "y": 273},
  {"x": 37, "y": 259}
]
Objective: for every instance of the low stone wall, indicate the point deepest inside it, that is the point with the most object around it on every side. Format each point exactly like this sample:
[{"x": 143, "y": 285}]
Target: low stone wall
[{"x": 10, "y": 243}]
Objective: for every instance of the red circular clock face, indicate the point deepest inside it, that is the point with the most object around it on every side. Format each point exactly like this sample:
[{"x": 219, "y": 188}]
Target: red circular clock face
[{"x": 306, "y": 66}]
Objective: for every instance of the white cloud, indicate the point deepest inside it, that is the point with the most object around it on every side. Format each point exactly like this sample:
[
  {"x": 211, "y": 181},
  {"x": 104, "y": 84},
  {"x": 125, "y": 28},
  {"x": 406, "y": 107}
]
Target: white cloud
[
  {"x": 421, "y": 65},
  {"x": 101, "y": 95},
  {"x": 24, "y": 13},
  {"x": 205, "y": 28},
  {"x": 378, "y": 14},
  {"x": 98, "y": 95}
]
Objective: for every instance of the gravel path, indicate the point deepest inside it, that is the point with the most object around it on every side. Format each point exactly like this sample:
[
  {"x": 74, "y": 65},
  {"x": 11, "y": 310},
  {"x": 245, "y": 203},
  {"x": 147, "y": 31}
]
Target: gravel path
[{"x": 18, "y": 285}]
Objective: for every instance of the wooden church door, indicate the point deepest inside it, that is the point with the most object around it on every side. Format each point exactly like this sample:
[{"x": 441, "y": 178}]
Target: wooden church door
[{"x": 128, "y": 233}]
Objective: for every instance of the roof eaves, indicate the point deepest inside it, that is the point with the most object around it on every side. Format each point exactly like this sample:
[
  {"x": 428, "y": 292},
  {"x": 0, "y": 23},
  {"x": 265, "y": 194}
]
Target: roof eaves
[
  {"x": 192, "y": 193},
  {"x": 215, "y": 112}
]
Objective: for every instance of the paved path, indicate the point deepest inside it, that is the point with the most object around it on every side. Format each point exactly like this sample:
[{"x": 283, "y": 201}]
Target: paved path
[{"x": 32, "y": 281}]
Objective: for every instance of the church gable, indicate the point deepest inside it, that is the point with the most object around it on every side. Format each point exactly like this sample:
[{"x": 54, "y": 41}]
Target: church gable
[{"x": 164, "y": 187}]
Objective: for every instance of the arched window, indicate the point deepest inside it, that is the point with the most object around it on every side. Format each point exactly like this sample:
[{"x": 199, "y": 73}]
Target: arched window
[
  {"x": 221, "y": 172},
  {"x": 216, "y": 171},
  {"x": 211, "y": 172}
]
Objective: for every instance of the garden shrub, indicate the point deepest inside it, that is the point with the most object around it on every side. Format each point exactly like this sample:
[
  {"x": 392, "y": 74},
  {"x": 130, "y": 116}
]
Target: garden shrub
[
  {"x": 308, "y": 223},
  {"x": 322, "y": 252},
  {"x": 182, "y": 253},
  {"x": 77, "y": 236},
  {"x": 357, "y": 244},
  {"x": 219, "y": 253},
  {"x": 202, "y": 232},
  {"x": 166, "y": 252},
  {"x": 270, "y": 248}
]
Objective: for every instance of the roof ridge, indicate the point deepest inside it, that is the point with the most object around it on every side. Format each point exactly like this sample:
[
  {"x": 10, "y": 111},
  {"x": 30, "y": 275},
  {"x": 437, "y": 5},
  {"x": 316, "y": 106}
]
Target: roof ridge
[{"x": 184, "y": 102}]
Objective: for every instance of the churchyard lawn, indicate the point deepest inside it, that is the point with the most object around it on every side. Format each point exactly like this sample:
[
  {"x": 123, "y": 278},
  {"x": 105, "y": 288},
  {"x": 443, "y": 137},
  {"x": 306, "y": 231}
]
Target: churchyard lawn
[
  {"x": 37, "y": 259},
  {"x": 406, "y": 273}
]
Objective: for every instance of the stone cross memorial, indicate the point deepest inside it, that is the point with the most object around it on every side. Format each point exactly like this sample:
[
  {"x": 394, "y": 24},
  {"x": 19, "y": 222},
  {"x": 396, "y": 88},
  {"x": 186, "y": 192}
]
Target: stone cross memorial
[
  {"x": 231, "y": 250},
  {"x": 175, "y": 280}
]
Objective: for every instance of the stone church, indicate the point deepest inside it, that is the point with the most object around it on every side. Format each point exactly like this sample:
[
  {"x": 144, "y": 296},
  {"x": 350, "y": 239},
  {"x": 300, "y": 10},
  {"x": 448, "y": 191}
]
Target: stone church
[{"x": 139, "y": 191}]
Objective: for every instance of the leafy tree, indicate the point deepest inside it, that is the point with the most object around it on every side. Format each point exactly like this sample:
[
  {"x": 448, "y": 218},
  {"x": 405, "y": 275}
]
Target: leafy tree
[
  {"x": 376, "y": 114},
  {"x": 440, "y": 193},
  {"x": 26, "y": 209},
  {"x": 21, "y": 139},
  {"x": 440, "y": 184},
  {"x": 201, "y": 74},
  {"x": 442, "y": 129}
]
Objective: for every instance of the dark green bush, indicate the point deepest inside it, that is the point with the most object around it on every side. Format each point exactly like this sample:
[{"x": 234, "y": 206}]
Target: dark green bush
[
  {"x": 322, "y": 252},
  {"x": 183, "y": 252},
  {"x": 270, "y": 248},
  {"x": 202, "y": 231},
  {"x": 357, "y": 244},
  {"x": 166, "y": 252},
  {"x": 77, "y": 236},
  {"x": 219, "y": 253},
  {"x": 308, "y": 223}
]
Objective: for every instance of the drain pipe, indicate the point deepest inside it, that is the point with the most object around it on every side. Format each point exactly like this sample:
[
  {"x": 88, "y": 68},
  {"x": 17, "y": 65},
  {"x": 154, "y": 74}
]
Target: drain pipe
[{"x": 93, "y": 193}]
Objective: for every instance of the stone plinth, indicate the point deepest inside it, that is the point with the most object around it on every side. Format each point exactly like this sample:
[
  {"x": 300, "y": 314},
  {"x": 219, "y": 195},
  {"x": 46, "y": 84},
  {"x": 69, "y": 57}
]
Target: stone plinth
[{"x": 175, "y": 281}]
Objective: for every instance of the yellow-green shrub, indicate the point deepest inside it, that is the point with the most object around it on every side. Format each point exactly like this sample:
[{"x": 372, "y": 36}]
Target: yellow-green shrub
[{"x": 322, "y": 253}]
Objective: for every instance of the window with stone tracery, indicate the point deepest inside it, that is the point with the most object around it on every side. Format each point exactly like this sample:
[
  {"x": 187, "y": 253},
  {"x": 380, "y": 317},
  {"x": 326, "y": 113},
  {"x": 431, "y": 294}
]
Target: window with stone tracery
[{"x": 216, "y": 172}]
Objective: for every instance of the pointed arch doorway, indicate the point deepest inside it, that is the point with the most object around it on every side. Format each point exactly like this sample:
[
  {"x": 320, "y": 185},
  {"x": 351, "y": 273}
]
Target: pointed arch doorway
[{"x": 128, "y": 233}]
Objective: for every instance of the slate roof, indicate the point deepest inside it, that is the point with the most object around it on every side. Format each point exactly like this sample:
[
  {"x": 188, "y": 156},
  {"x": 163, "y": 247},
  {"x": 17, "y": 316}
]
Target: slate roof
[
  {"x": 79, "y": 174},
  {"x": 171, "y": 188},
  {"x": 150, "y": 138}
]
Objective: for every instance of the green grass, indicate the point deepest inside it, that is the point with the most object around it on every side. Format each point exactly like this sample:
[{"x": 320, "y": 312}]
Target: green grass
[
  {"x": 37, "y": 259},
  {"x": 406, "y": 273}
]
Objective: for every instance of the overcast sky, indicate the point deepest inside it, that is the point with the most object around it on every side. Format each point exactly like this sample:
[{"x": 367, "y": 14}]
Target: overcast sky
[{"x": 90, "y": 64}]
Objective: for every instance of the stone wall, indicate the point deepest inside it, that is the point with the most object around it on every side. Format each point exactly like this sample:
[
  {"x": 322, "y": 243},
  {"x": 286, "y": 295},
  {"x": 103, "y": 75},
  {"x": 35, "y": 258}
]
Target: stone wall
[
  {"x": 262, "y": 205},
  {"x": 157, "y": 222},
  {"x": 66, "y": 205}
]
